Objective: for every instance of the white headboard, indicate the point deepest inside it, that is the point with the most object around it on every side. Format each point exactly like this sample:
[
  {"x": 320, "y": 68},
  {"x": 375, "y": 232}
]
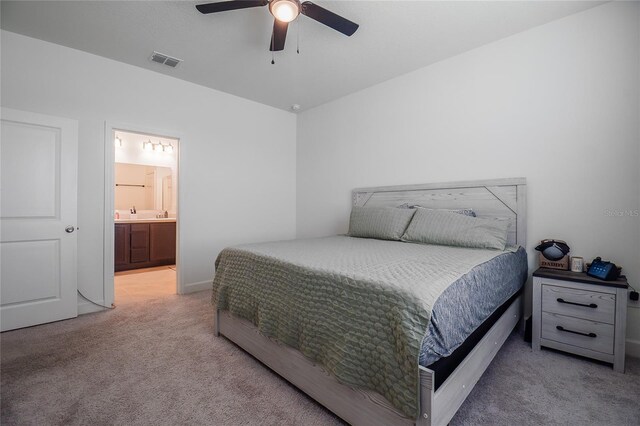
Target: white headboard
[{"x": 501, "y": 198}]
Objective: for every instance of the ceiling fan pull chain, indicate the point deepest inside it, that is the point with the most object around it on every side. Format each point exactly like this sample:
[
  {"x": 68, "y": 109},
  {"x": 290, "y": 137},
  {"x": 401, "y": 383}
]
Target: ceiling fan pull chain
[
  {"x": 298, "y": 36},
  {"x": 273, "y": 61}
]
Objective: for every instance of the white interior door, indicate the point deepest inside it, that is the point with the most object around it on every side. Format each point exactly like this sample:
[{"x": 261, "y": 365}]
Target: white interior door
[{"x": 38, "y": 210}]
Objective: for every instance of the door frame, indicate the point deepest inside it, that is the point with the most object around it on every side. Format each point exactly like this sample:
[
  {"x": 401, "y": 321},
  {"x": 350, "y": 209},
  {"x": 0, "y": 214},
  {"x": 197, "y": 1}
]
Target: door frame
[{"x": 110, "y": 128}]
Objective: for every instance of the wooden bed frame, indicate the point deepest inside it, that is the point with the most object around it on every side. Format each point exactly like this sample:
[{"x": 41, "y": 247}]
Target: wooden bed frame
[{"x": 502, "y": 198}]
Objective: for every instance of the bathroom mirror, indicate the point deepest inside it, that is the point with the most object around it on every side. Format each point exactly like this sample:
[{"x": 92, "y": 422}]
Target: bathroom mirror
[{"x": 145, "y": 187}]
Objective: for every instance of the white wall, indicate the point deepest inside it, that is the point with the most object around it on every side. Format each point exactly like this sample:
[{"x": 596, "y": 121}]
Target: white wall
[
  {"x": 237, "y": 157},
  {"x": 557, "y": 104}
]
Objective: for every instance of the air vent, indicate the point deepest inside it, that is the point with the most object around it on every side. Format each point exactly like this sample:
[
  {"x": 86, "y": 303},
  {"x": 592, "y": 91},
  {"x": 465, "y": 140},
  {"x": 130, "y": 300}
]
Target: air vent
[{"x": 167, "y": 60}]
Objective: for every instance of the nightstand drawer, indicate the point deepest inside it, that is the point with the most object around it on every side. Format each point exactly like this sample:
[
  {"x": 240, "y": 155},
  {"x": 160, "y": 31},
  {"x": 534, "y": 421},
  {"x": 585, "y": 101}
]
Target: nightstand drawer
[
  {"x": 595, "y": 336},
  {"x": 589, "y": 305}
]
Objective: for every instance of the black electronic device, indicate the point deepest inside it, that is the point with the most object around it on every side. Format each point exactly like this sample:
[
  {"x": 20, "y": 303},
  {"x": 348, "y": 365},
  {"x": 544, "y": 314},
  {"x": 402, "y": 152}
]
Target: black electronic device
[{"x": 603, "y": 270}]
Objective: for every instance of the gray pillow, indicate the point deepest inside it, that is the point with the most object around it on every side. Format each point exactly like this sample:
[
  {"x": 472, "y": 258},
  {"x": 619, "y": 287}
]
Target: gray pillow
[
  {"x": 384, "y": 223},
  {"x": 453, "y": 229}
]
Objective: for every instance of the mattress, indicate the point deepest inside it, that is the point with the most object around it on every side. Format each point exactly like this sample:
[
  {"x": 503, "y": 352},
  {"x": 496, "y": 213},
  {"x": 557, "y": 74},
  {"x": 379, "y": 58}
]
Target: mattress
[
  {"x": 469, "y": 301},
  {"x": 445, "y": 366},
  {"x": 361, "y": 307}
]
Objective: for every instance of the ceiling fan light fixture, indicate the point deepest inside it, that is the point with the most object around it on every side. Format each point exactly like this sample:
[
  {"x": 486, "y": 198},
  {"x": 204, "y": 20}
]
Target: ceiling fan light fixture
[{"x": 284, "y": 10}]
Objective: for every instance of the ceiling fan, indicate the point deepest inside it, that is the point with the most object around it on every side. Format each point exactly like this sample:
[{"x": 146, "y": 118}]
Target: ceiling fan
[{"x": 285, "y": 11}]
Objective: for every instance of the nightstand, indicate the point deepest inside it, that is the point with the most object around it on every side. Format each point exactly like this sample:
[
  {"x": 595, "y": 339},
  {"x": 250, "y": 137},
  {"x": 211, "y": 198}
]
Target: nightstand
[{"x": 576, "y": 313}]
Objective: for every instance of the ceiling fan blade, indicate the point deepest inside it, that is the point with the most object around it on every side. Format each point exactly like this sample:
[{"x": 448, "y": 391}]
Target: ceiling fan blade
[
  {"x": 279, "y": 35},
  {"x": 329, "y": 18},
  {"x": 222, "y": 6}
]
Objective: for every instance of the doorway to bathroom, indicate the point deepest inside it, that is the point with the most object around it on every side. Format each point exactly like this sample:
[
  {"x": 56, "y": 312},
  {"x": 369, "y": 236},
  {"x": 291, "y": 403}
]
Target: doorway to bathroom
[{"x": 142, "y": 218}]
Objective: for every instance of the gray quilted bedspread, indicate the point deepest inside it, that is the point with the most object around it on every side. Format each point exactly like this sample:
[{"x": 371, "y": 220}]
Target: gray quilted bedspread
[{"x": 359, "y": 307}]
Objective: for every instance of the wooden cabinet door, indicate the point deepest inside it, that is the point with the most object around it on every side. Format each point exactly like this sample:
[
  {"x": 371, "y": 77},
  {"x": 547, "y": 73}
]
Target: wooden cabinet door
[
  {"x": 139, "y": 236},
  {"x": 163, "y": 242},
  {"x": 121, "y": 246}
]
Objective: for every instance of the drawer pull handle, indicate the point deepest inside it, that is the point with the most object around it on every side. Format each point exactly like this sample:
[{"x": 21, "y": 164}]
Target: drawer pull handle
[
  {"x": 590, "y": 305},
  {"x": 561, "y": 328}
]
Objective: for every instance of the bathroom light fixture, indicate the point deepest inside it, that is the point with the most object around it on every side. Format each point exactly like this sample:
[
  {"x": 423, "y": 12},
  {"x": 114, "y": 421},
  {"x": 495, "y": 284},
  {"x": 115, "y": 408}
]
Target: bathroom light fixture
[
  {"x": 167, "y": 148},
  {"x": 118, "y": 141},
  {"x": 148, "y": 145},
  {"x": 284, "y": 10}
]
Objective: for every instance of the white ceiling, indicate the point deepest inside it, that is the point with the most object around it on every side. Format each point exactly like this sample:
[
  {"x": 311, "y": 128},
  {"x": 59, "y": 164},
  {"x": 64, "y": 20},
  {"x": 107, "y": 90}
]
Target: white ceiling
[{"x": 228, "y": 51}]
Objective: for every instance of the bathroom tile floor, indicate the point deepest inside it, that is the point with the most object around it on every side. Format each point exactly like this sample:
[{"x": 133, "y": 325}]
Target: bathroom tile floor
[{"x": 144, "y": 284}]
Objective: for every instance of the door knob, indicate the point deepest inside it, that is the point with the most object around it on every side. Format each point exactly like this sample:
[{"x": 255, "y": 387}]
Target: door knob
[{"x": 69, "y": 229}]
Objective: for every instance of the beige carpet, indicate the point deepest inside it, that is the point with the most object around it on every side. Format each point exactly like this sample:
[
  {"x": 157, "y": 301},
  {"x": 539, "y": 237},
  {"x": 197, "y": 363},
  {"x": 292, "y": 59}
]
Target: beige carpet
[{"x": 155, "y": 361}]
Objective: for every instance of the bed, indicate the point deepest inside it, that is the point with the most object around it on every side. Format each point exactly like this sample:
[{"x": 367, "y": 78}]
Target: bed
[{"x": 391, "y": 373}]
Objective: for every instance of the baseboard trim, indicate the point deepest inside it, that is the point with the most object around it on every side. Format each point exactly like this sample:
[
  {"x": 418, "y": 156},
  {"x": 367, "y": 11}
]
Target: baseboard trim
[
  {"x": 633, "y": 348},
  {"x": 199, "y": 286}
]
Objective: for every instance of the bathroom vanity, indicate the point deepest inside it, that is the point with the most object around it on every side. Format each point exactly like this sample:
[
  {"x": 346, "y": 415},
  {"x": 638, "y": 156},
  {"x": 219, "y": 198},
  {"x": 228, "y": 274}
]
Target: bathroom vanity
[{"x": 143, "y": 243}]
